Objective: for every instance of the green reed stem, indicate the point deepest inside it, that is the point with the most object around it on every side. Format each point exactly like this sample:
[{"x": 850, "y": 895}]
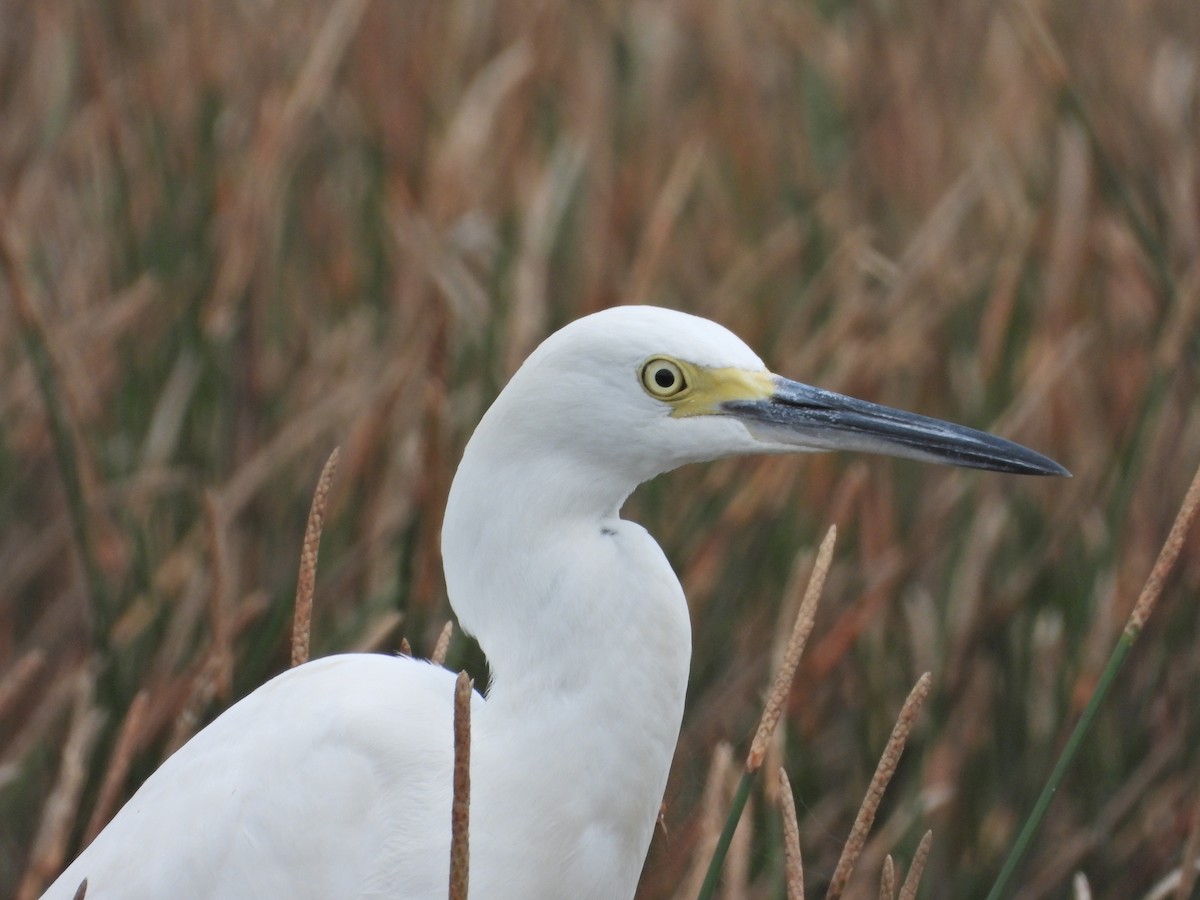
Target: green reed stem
[
  {"x": 709, "y": 887},
  {"x": 1038, "y": 814}
]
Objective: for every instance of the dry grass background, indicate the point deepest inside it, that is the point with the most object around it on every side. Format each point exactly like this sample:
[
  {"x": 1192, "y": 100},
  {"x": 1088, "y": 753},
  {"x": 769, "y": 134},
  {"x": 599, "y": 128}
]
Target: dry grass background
[{"x": 234, "y": 235}]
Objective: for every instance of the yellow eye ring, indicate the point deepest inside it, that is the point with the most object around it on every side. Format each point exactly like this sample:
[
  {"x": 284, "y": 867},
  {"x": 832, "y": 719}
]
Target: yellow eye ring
[{"x": 663, "y": 378}]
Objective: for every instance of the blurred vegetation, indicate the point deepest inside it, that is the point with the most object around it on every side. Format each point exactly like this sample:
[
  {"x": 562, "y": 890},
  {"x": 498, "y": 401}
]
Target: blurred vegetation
[{"x": 234, "y": 235}]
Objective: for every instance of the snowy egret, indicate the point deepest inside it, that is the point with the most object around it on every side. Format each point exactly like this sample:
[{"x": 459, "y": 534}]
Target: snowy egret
[{"x": 333, "y": 780}]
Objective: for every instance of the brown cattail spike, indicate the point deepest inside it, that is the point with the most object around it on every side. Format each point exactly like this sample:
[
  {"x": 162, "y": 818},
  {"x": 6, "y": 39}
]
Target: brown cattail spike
[
  {"x": 793, "y": 863},
  {"x": 306, "y": 583},
  {"x": 908, "y": 891},
  {"x": 442, "y": 647},
  {"x": 460, "y": 810},
  {"x": 879, "y": 782},
  {"x": 1166, "y": 559},
  {"x": 782, "y": 684},
  {"x": 887, "y": 879}
]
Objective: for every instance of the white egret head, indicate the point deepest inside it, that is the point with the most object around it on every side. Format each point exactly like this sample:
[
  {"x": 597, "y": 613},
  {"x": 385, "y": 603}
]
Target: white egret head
[{"x": 637, "y": 391}]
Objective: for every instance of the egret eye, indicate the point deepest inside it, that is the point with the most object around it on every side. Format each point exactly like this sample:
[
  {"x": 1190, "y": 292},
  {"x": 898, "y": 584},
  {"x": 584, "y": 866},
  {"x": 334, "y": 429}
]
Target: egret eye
[{"x": 663, "y": 379}]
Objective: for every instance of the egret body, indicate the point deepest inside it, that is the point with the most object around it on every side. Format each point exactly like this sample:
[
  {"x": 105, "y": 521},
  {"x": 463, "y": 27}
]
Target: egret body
[{"x": 333, "y": 780}]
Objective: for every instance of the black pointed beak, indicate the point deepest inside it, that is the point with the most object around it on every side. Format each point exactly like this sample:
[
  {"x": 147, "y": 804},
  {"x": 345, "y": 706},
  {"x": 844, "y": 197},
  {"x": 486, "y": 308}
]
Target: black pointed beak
[{"x": 804, "y": 417}]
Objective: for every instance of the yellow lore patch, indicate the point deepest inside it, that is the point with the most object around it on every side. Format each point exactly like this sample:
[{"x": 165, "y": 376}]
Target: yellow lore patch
[{"x": 704, "y": 390}]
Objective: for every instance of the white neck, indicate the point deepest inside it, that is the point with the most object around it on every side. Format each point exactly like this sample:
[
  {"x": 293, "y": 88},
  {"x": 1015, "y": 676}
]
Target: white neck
[{"x": 587, "y": 636}]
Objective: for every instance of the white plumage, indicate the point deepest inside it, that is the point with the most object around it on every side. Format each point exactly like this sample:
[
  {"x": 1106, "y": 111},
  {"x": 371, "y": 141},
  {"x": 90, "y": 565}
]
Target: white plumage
[{"x": 333, "y": 779}]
